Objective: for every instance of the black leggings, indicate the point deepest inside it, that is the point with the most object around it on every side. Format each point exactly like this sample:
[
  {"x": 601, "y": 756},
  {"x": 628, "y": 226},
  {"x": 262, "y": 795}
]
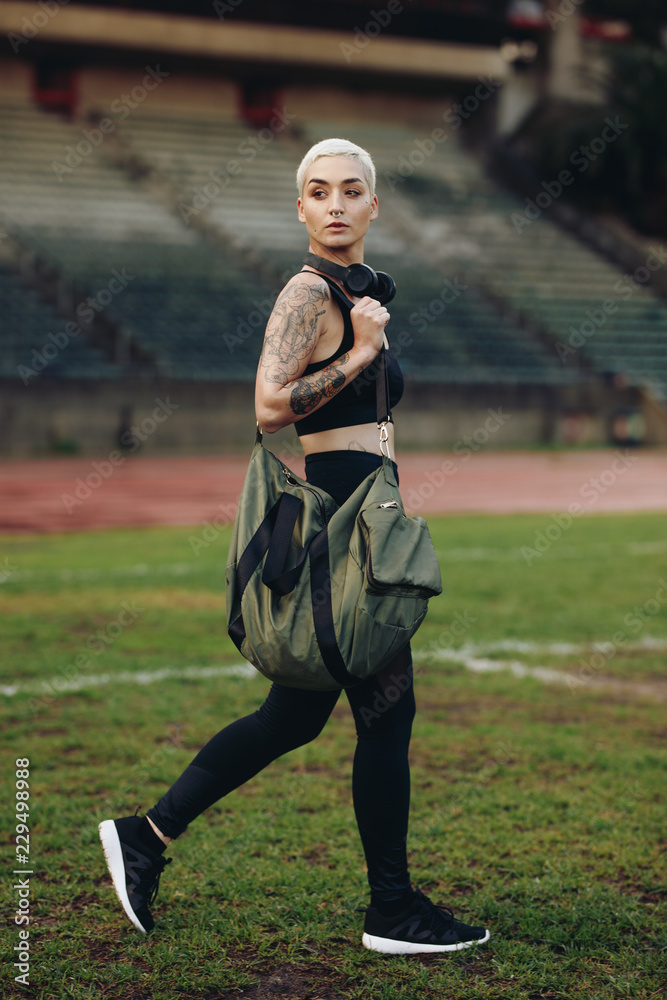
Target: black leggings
[{"x": 383, "y": 708}]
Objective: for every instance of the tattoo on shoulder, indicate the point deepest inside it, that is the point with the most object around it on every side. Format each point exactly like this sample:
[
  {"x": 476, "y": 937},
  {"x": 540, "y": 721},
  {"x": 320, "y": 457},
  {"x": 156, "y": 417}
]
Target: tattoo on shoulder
[
  {"x": 310, "y": 390},
  {"x": 292, "y": 330}
]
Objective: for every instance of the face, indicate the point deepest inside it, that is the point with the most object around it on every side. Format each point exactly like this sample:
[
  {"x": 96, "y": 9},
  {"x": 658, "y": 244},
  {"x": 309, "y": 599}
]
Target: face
[{"x": 336, "y": 206}]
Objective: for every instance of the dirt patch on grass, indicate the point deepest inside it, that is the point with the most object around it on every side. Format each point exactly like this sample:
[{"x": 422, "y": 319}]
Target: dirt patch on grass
[
  {"x": 622, "y": 691},
  {"x": 291, "y": 982}
]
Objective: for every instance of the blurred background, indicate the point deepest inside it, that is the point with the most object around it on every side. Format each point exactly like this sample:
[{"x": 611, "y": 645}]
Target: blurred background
[{"x": 148, "y": 219}]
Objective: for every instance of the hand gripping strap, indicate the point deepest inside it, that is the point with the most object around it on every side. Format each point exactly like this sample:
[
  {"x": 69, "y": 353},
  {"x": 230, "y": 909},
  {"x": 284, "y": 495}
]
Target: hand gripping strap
[{"x": 379, "y": 364}]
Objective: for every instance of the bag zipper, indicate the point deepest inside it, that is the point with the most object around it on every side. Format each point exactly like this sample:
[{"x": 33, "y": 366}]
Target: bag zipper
[{"x": 292, "y": 481}]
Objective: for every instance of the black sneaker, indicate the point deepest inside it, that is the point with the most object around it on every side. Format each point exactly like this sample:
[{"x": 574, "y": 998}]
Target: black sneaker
[
  {"x": 422, "y": 927},
  {"x": 134, "y": 869}
]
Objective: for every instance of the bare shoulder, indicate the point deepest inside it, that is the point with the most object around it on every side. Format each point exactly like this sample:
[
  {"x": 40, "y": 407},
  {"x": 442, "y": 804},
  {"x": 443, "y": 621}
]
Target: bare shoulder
[
  {"x": 294, "y": 327},
  {"x": 305, "y": 287}
]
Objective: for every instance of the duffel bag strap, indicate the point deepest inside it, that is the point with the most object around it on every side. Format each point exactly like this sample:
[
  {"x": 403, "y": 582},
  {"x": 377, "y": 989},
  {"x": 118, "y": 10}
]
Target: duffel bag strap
[
  {"x": 323, "y": 619},
  {"x": 274, "y": 575},
  {"x": 273, "y": 537},
  {"x": 283, "y": 582},
  {"x": 382, "y": 389},
  {"x": 382, "y": 396},
  {"x": 252, "y": 556}
]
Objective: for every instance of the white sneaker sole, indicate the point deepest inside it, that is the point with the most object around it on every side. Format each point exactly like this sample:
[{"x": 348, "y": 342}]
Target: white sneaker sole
[
  {"x": 113, "y": 853},
  {"x": 390, "y": 947}
]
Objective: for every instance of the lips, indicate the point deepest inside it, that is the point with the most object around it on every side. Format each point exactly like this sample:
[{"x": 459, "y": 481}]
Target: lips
[{"x": 337, "y": 225}]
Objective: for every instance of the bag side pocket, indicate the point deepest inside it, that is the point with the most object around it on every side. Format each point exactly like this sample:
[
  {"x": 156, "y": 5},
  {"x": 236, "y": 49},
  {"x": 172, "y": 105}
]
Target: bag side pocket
[{"x": 400, "y": 558}]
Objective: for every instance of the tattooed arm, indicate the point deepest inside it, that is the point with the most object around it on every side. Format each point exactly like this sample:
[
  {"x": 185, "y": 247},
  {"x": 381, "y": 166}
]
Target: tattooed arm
[{"x": 283, "y": 394}]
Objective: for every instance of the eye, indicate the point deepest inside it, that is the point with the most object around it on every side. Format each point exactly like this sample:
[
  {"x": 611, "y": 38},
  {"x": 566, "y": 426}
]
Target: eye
[{"x": 353, "y": 191}]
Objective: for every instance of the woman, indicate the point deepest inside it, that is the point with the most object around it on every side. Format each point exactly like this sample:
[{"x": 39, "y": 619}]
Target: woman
[{"x": 318, "y": 341}]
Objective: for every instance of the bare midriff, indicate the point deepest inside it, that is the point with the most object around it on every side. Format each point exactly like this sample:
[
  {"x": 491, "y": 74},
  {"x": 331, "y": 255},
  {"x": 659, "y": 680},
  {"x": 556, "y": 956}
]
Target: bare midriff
[{"x": 359, "y": 437}]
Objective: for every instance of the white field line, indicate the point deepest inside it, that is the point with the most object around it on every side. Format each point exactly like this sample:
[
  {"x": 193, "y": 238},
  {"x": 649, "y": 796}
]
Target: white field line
[
  {"x": 470, "y": 656},
  {"x": 484, "y": 665},
  {"x": 548, "y": 648},
  {"x": 64, "y": 686},
  {"x": 92, "y": 573}
]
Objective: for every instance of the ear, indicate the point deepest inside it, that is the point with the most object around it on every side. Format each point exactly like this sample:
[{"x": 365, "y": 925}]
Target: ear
[
  {"x": 374, "y": 207},
  {"x": 299, "y": 205}
]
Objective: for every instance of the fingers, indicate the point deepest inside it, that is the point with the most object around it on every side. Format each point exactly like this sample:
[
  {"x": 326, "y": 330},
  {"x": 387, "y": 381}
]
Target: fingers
[{"x": 372, "y": 309}]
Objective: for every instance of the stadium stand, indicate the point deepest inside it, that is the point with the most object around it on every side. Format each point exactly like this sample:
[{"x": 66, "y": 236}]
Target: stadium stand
[
  {"x": 543, "y": 274},
  {"x": 256, "y": 200},
  {"x": 471, "y": 342},
  {"x": 174, "y": 294},
  {"x": 196, "y": 304},
  {"x": 27, "y": 349}
]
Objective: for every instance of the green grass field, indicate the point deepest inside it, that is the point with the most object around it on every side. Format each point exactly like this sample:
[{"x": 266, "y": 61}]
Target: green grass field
[{"x": 538, "y": 806}]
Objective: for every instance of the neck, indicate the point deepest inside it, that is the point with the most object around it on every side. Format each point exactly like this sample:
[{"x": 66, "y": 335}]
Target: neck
[
  {"x": 326, "y": 266},
  {"x": 344, "y": 255}
]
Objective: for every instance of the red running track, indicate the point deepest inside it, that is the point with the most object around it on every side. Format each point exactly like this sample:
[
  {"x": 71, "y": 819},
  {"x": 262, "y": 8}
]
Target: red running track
[{"x": 153, "y": 491}]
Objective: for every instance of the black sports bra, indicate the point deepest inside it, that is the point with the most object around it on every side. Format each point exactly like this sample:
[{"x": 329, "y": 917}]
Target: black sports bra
[{"x": 356, "y": 403}]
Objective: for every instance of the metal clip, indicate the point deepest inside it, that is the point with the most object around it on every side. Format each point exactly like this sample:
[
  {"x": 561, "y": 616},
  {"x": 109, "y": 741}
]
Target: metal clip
[
  {"x": 384, "y": 439},
  {"x": 389, "y": 503}
]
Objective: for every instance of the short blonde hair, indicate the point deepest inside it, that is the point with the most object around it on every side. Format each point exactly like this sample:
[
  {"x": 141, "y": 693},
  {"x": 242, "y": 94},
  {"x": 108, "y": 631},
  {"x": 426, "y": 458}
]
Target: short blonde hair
[{"x": 337, "y": 147}]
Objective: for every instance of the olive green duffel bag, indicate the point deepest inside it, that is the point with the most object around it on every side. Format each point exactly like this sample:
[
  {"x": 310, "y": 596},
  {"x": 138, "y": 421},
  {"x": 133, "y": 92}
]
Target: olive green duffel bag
[{"x": 320, "y": 596}]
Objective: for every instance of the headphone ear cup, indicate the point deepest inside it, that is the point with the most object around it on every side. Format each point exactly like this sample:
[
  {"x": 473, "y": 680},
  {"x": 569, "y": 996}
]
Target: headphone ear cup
[
  {"x": 386, "y": 287},
  {"x": 360, "y": 280}
]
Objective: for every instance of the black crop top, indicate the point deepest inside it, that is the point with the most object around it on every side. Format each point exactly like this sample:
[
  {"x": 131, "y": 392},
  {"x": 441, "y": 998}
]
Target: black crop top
[{"x": 356, "y": 403}]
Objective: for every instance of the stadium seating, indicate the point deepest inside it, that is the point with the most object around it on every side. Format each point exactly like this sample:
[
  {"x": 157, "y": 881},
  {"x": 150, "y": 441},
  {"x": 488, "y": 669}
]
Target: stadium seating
[
  {"x": 543, "y": 275},
  {"x": 485, "y": 294},
  {"x": 473, "y": 342},
  {"x": 35, "y": 341},
  {"x": 185, "y": 303}
]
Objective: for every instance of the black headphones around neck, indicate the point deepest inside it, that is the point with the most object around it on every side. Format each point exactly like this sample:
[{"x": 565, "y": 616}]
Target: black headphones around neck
[{"x": 358, "y": 279}]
